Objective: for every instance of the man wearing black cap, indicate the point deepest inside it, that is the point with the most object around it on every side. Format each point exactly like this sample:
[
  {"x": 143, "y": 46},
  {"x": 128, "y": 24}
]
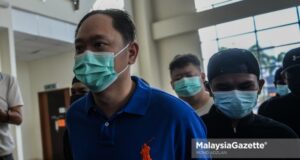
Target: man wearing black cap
[
  {"x": 280, "y": 83},
  {"x": 281, "y": 89},
  {"x": 234, "y": 83},
  {"x": 286, "y": 109}
]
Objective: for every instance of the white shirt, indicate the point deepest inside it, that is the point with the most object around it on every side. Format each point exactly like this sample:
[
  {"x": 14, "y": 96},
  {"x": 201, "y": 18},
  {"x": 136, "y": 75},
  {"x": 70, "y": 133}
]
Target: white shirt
[{"x": 10, "y": 96}]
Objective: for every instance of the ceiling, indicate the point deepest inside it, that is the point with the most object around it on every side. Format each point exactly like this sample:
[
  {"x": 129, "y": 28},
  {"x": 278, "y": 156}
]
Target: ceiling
[{"x": 30, "y": 47}]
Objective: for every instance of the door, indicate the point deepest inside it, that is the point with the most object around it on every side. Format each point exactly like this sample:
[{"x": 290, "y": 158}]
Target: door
[{"x": 53, "y": 105}]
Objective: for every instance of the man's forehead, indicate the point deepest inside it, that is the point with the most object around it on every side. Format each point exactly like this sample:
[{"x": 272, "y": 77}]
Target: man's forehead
[
  {"x": 97, "y": 19},
  {"x": 97, "y": 23},
  {"x": 235, "y": 78},
  {"x": 185, "y": 69}
]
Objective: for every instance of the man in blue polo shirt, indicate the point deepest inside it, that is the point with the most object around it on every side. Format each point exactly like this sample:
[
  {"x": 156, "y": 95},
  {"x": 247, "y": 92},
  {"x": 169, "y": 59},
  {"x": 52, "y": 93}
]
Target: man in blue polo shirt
[{"x": 123, "y": 117}]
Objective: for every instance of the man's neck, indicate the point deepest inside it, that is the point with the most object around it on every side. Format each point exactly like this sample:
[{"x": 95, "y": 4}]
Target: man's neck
[
  {"x": 296, "y": 95},
  {"x": 200, "y": 100},
  {"x": 115, "y": 96}
]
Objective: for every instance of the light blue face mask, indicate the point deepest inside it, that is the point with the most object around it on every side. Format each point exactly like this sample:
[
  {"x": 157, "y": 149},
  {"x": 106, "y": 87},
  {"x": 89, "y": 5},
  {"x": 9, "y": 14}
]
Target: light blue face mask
[
  {"x": 282, "y": 89},
  {"x": 187, "y": 86},
  {"x": 97, "y": 69},
  {"x": 235, "y": 104}
]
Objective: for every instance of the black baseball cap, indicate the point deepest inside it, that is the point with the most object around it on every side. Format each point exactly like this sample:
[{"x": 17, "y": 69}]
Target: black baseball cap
[
  {"x": 291, "y": 59},
  {"x": 232, "y": 61},
  {"x": 278, "y": 75}
]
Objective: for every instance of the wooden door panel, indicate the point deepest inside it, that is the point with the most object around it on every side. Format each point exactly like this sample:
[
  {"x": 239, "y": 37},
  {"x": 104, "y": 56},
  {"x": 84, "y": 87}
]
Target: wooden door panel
[{"x": 52, "y": 135}]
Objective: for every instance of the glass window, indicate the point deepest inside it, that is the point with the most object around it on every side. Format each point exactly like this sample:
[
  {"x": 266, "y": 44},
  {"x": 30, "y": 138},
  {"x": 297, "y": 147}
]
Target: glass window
[
  {"x": 270, "y": 60},
  {"x": 208, "y": 48},
  {"x": 202, "y": 5},
  {"x": 276, "y": 18},
  {"x": 108, "y": 4},
  {"x": 279, "y": 36},
  {"x": 242, "y": 41},
  {"x": 235, "y": 27},
  {"x": 208, "y": 33},
  {"x": 277, "y": 52},
  {"x": 280, "y": 33}
]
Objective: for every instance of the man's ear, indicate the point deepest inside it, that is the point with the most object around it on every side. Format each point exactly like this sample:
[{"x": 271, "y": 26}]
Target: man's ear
[
  {"x": 133, "y": 52},
  {"x": 202, "y": 76},
  {"x": 207, "y": 88},
  {"x": 172, "y": 84},
  {"x": 261, "y": 83}
]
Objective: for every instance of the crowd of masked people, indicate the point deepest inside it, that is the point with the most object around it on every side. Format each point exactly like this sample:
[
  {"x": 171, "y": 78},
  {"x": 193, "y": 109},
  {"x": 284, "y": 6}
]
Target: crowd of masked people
[
  {"x": 114, "y": 115},
  {"x": 223, "y": 98}
]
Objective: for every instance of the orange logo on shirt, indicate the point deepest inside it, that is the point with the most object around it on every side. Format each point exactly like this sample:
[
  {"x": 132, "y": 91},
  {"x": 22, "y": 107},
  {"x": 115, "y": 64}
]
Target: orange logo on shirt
[{"x": 145, "y": 152}]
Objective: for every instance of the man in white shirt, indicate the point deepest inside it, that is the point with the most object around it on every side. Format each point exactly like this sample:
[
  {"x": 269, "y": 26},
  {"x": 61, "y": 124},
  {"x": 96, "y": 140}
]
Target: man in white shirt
[{"x": 10, "y": 113}]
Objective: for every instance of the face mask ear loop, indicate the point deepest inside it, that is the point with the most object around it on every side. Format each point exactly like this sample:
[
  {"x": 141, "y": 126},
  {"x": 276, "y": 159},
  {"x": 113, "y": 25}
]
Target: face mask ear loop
[
  {"x": 123, "y": 70},
  {"x": 121, "y": 51}
]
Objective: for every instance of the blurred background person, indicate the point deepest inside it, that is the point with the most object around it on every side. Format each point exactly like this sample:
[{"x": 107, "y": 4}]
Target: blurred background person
[
  {"x": 280, "y": 83},
  {"x": 286, "y": 109},
  {"x": 78, "y": 90},
  {"x": 187, "y": 80}
]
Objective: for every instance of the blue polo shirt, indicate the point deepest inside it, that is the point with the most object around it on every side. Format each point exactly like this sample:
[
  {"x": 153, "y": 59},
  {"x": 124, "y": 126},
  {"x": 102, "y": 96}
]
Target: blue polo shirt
[{"x": 161, "y": 121}]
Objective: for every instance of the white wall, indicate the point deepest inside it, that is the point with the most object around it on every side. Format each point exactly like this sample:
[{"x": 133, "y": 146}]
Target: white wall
[
  {"x": 5, "y": 17},
  {"x": 147, "y": 59},
  {"x": 55, "y": 69},
  {"x": 30, "y": 133},
  {"x": 59, "y": 9},
  {"x": 165, "y": 9},
  {"x": 32, "y": 77}
]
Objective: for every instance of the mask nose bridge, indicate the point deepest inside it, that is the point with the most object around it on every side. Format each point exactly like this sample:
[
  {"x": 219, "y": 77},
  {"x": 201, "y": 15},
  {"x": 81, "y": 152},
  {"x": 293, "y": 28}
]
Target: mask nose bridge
[{"x": 236, "y": 95}]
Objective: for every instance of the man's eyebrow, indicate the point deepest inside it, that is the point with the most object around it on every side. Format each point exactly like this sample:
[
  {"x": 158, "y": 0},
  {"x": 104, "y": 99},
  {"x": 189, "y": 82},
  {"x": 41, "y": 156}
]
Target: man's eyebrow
[
  {"x": 95, "y": 37},
  {"x": 247, "y": 82},
  {"x": 78, "y": 40},
  {"x": 99, "y": 36},
  {"x": 223, "y": 84}
]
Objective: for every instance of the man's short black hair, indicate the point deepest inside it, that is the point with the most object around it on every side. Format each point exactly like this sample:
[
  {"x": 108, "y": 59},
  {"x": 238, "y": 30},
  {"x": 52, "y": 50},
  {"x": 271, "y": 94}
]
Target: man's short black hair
[
  {"x": 180, "y": 61},
  {"x": 121, "y": 22},
  {"x": 75, "y": 80}
]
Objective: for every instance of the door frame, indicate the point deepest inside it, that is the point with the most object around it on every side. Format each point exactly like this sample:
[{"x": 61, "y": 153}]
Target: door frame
[{"x": 45, "y": 120}]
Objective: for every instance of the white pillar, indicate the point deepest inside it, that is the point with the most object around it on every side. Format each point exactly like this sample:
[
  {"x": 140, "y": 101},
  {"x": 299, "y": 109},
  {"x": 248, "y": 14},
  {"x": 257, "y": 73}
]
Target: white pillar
[
  {"x": 8, "y": 65},
  {"x": 148, "y": 61}
]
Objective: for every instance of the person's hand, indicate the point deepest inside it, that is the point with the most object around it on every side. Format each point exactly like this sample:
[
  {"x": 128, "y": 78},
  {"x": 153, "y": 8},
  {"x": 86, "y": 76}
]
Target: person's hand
[{"x": 3, "y": 115}]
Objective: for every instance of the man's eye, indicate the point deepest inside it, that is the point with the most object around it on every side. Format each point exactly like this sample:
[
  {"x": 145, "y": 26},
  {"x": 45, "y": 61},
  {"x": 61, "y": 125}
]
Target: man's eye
[
  {"x": 99, "y": 45},
  {"x": 247, "y": 87},
  {"x": 79, "y": 48},
  {"x": 224, "y": 87}
]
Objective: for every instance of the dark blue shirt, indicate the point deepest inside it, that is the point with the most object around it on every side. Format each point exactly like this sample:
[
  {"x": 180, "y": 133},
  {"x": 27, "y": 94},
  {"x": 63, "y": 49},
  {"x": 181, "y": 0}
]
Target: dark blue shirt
[{"x": 152, "y": 117}]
